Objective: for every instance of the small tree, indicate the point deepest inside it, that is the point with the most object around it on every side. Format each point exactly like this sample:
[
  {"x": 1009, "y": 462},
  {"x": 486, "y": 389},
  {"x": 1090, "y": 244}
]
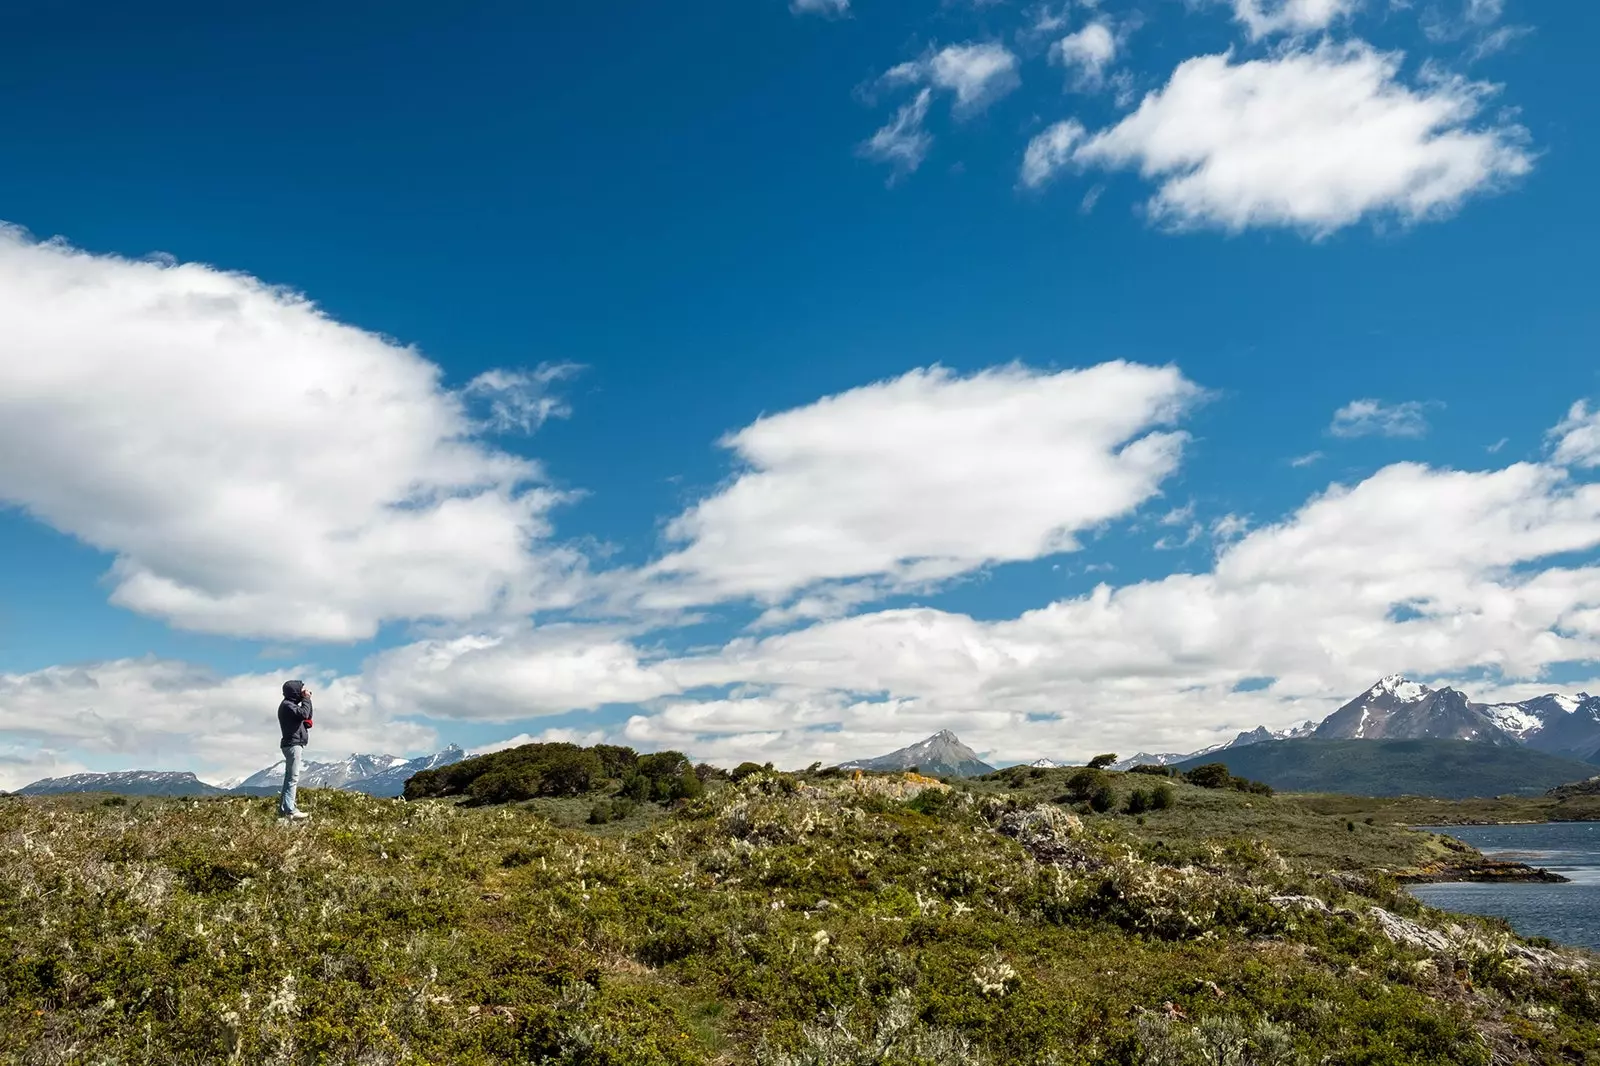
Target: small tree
[
  {"x": 1100, "y": 762},
  {"x": 1138, "y": 802}
]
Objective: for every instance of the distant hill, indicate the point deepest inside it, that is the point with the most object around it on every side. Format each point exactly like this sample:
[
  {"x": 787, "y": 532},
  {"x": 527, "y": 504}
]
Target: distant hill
[
  {"x": 1450, "y": 769},
  {"x": 125, "y": 783},
  {"x": 941, "y": 755}
]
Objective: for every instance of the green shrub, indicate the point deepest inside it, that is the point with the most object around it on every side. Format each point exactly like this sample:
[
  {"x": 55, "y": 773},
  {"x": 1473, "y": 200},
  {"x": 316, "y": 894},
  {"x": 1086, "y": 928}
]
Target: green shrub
[
  {"x": 1138, "y": 802},
  {"x": 1153, "y": 769},
  {"x": 1100, "y": 762},
  {"x": 611, "y": 810},
  {"x": 1083, "y": 783},
  {"x": 1162, "y": 797},
  {"x": 747, "y": 769},
  {"x": 1103, "y": 799},
  {"x": 519, "y": 773}
]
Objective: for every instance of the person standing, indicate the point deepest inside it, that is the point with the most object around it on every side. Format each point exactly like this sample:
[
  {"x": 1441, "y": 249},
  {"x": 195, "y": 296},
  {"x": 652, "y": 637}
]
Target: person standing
[{"x": 294, "y": 719}]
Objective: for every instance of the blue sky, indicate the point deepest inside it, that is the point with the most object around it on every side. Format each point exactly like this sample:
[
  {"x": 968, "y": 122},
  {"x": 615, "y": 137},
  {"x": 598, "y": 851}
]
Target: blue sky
[{"x": 782, "y": 382}]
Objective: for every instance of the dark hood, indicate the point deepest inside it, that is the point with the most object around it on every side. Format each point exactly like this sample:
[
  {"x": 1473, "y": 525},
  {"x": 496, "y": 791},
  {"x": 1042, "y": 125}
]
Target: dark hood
[{"x": 294, "y": 690}]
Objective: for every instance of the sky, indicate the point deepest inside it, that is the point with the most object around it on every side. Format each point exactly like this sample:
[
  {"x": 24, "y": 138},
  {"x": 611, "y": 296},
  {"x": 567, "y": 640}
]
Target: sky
[{"x": 787, "y": 381}]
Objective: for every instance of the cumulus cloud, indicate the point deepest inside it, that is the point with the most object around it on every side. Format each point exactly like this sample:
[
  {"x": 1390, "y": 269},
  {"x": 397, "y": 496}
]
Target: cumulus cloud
[
  {"x": 1374, "y": 418},
  {"x": 255, "y": 467},
  {"x": 159, "y": 714},
  {"x": 1087, "y": 53},
  {"x": 1310, "y": 139},
  {"x": 926, "y": 476},
  {"x": 902, "y": 142},
  {"x": 1264, "y": 18},
  {"x": 1491, "y": 564},
  {"x": 1306, "y": 601},
  {"x": 506, "y": 676},
  {"x": 1577, "y": 437}
]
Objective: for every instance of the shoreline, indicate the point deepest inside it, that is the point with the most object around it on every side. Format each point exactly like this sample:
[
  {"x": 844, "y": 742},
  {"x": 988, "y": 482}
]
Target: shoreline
[{"x": 1489, "y": 871}]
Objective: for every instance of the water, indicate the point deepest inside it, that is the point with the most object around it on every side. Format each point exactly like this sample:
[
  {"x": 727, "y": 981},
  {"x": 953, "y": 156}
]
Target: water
[{"x": 1567, "y": 914}]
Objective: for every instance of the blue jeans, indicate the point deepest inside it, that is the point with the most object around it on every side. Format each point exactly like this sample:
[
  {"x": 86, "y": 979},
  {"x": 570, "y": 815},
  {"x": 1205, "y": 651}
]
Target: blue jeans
[{"x": 293, "y": 756}]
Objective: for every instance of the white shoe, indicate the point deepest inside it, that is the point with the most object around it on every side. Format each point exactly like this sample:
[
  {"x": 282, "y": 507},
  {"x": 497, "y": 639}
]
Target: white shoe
[{"x": 298, "y": 816}]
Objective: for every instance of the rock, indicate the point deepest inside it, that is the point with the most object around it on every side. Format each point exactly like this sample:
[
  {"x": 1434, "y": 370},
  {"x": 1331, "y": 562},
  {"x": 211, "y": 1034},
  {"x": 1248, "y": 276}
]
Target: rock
[{"x": 1304, "y": 903}]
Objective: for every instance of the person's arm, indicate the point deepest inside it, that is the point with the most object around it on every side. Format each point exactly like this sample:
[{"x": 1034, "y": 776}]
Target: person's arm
[{"x": 305, "y": 710}]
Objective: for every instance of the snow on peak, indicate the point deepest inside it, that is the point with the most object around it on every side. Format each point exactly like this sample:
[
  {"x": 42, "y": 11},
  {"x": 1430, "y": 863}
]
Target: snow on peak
[
  {"x": 1400, "y": 688},
  {"x": 1513, "y": 718}
]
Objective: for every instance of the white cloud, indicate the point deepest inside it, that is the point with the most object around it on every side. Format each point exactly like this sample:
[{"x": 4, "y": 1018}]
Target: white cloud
[
  {"x": 520, "y": 399},
  {"x": 1048, "y": 151},
  {"x": 1306, "y": 601},
  {"x": 1305, "y": 460},
  {"x": 1485, "y": 558},
  {"x": 926, "y": 476},
  {"x": 522, "y": 673},
  {"x": 978, "y": 74},
  {"x": 820, "y": 7},
  {"x": 1374, "y": 418},
  {"x": 1311, "y": 139},
  {"x": 1577, "y": 437},
  {"x": 902, "y": 142},
  {"x": 1263, "y": 18},
  {"x": 256, "y": 468},
  {"x": 1087, "y": 53},
  {"x": 157, "y": 714}
]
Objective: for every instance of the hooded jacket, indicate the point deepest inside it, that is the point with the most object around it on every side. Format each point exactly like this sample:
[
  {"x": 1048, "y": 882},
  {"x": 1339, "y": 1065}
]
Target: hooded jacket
[{"x": 294, "y": 714}]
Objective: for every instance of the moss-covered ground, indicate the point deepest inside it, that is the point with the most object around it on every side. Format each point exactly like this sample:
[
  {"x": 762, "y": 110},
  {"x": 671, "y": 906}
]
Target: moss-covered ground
[{"x": 779, "y": 920}]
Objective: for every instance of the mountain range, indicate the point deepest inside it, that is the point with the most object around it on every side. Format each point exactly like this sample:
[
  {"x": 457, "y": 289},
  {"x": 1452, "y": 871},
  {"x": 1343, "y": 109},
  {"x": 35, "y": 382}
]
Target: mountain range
[
  {"x": 375, "y": 775},
  {"x": 126, "y": 783},
  {"x": 1396, "y": 708}
]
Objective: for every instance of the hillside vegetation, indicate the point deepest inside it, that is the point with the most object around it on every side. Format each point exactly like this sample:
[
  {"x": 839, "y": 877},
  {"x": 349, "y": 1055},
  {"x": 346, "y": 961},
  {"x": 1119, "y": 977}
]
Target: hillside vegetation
[
  {"x": 1449, "y": 769},
  {"x": 780, "y": 920}
]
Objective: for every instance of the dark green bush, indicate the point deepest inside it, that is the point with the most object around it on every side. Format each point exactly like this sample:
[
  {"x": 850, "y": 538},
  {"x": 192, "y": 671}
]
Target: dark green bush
[
  {"x": 1153, "y": 769},
  {"x": 1217, "y": 775},
  {"x": 1100, "y": 762},
  {"x": 1162, "y": 797},
  {"x": 747, "y": 769},
  {"x": 1083, "y": 783},
  {"x": 1103, "y": 799},
  {"x": 611, "y": 810},
  {"x": 1138, "y": 802}
]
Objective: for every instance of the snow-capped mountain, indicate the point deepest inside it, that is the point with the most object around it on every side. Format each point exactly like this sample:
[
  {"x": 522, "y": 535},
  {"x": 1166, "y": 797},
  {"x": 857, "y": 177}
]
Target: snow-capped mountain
[
  {"x": 1251, "y": 736},
  {"x": 125, "y": 782},
  {"x": 392, "y": 782},
  {"x": 1566, "y": 726},
  {"x": 339, "y": 774},
  {"x": 1046, "y": 764},
  {"x": 1165, "y": 758},
  {"x": 376, "y": 775},
  {"x": 1399, "y": 709},
  {"x": 1261, "y": 733},
  {"x": 941, "y": 755}
]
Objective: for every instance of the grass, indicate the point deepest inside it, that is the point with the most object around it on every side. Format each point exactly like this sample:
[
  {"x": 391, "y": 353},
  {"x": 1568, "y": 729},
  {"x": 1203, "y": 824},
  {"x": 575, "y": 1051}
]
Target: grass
[{"x": 779, "y": 921}]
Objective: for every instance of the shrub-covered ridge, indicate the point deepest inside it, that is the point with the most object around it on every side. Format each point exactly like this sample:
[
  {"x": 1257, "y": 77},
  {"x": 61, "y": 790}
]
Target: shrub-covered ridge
[{"x": 778, "y": 920}]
